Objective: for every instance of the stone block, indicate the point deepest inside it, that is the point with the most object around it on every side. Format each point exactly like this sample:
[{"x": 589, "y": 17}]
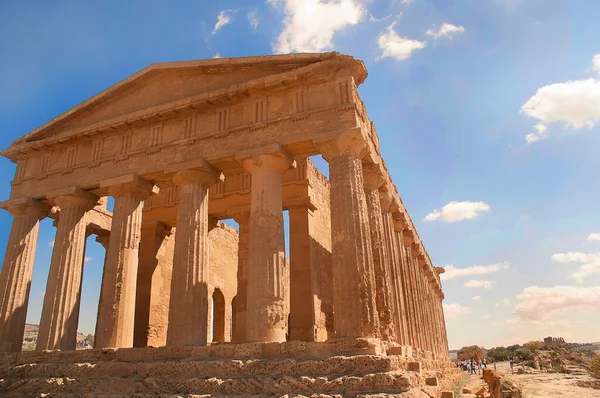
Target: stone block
[
  {"x": 447, "y": 394},
  {"x": 431, "y": 381},
  {"x": 415, "y": 367}
]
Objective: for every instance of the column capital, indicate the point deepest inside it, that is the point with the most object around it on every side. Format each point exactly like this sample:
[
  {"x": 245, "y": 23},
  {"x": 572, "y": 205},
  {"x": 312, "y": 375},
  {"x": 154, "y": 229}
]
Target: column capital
[
  {"x": 409, "y": 237},
  {"x": 240, "y": 214},
  {"x": 304, "y": 202},
  {"x": 104, "y": 240},
  {"x": 130, "y": 184},
  {"x": 197, "y": 171},
  {"x": 26, "y": 206},
  {"x": 373, "y": 176},
  {"x": 73, "y": 196},
  {"x": 385, "y": 197},
  {"x": 272, "y": 156},
  {"x": 351, "y": 143}
]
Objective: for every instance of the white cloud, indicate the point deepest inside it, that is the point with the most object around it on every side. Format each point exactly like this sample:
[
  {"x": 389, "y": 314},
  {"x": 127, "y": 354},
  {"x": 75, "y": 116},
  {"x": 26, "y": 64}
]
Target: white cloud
[
  {"x": 596, "y": 63},
  {"x": 511, "y": 321},
  {"x": 309, "y": 25},
  {"x": 222, "y": 20},
  {"x": 457, "y": 211},
  {"x": 373, "y": 19},
  {"x": 446, "y": 30},
  {"x": 452, "y": 272},
  {"x": 454, "y": 311},
  {"x": 394, "y": 46},
  {"x": 253, "y": 19},
  {"x": 590, "y": 263},
  {"x": 575, "y": 103},
  {"x": 474, "y": 283},
  {"x": 217, "y": 55},
  {"x": 476, "y": 298},
  {"x": 538, "y": 303},
  {"x": 86, "y": 259},
  {"x": 51, "y": 243},
  {"x": 502, "y": 303},
  {"x": 486, "y": 316},
  {"x": 594, "y": 237}
]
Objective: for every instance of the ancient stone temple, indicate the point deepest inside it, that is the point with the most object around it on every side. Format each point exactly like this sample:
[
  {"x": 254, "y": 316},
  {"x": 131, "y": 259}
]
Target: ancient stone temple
[{"x": 189, "y": 305}]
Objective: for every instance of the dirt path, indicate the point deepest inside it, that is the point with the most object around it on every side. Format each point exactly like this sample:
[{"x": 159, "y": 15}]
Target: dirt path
[{"x": 549, "y": 385}]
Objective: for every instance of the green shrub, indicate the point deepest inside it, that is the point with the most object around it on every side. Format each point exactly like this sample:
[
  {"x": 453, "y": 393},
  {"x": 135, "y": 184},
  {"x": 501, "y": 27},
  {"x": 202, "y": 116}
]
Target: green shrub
[
  {"x": 524, "y": 353},
  {"x": 595, "y": 366},
  {"x": 531, "y": 364}
]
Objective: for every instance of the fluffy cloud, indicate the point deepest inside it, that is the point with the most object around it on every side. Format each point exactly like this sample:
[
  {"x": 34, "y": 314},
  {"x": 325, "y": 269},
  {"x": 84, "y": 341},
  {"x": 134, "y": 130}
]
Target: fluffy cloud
[
  {"x": 476, "y": 298},
  {"x": 590, "y": 263},
  {"x": 538, "y": 303},
  {"x": 309, "y": 25},
  {"x": 217, "y": 55},
  {"x": 446, "y": 30},
  {"x": 575, "y": 103},
  {"x": 454, "y": 311},
  {"x": 457, "y": 211},
  {"x": 486, "y": 316},
  {"x": 596, "y": 63},
  {"x": 85, "y": 260},
  {"x": 222, "y": 19},
  {"x": 452, "y": 272},
  {"x": 51, "y": 243},
  {"x": 252, "y": 19},
  {"x": 475, "y": 283},
  {"x": 394, "y": 46},
  {"x": 502, "y": 303},
  {"x": 595, "y": 237}
]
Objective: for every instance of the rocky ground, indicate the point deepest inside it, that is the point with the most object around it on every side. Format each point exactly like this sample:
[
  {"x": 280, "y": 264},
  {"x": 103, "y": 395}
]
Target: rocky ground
[{"x": 536, "y": 384}]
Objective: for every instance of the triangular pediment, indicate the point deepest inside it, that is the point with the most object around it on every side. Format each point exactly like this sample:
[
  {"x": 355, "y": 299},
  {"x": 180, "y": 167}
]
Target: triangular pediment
[{"x": 166, "y": 83}]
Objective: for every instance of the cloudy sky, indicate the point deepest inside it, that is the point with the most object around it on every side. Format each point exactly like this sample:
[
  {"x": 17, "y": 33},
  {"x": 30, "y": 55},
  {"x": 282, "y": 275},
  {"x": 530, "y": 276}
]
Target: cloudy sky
[{"x": 487, "y": 112}]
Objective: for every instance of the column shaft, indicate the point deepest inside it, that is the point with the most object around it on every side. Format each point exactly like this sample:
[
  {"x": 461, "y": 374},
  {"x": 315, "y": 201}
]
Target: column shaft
[
  {"x": 17, "y": 271},
  {"x": 355, "y": 313},
  {"x": 241, "y": 298},
  {"x": 268, "y": 272},
  {"x": 189, "y": 304},
  {"x": 383, "y": 291},
  {"x": 60, "y": 314},
  {"x": 116, "y": 315}
]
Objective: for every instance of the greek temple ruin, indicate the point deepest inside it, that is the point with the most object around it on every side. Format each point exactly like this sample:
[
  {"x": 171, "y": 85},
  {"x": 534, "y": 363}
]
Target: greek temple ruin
[{"x": 180, "y": 147}]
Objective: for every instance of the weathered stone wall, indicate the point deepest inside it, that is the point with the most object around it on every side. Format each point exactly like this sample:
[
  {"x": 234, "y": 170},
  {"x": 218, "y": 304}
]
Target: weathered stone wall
[{"x": 496, "y": 384}]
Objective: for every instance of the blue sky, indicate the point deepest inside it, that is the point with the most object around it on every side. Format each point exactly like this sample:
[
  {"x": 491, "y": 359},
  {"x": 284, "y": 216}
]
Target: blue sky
[{"x": 492, "y": 104}]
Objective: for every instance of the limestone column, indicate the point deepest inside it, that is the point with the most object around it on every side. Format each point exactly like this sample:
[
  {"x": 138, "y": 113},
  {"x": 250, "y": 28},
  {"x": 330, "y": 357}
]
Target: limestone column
[
  {"x": 355, "y": 312},
  {"x": 241, "y": 298},
  {"x": 17, "y": 269},
  {"x": 383, "y": 292},
  {"x": 104, "y": 240},
  {"x": 153, "y": 281},
  {"x": 60, "y": 314},
  {"x": 116, "y": 314},
  {"x": 302, "y": 316},
  {"x": 410, "y": 294},
  {"x": 189, "y": 304},
  {"x": 268, "y": 272},
  {"x": 394, "y": 270}
]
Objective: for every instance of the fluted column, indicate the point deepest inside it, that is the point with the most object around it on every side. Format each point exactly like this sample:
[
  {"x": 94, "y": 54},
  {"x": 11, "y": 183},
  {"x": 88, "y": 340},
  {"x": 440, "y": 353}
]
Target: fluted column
[
  {"x": 60, "y": 314},
  {"x": 188, "y": 309},
  {"x": 268, "y": 272},
  {"x": 104, "y": 240},
  {"x": 394, "y": 270},
  {"x": 355, "y": 313},
  {"x": 383, "y": 291},
  {"x": 17, "y": 269},
  {"x": 241, "y": 298},
  {"x": 117, "y": 304},
  {"x": 408, "y": 282}
]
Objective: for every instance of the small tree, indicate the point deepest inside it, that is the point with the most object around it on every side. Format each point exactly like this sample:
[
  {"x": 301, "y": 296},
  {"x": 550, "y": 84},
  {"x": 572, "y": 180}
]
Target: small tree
[
  {"x": 595, "y": 366},
  {"x": 534, "y": 345},
  {"x": 498, "y": 353},
  {"x": 524, "y": 354},
  {"x": 470, "y": 352}
]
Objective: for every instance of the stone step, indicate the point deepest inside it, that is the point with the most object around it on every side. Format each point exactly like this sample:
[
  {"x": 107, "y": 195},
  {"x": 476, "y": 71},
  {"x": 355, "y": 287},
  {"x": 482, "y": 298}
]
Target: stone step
[
  {"x": 376, "y": 383},
  {"x": 359, "y": 365}
]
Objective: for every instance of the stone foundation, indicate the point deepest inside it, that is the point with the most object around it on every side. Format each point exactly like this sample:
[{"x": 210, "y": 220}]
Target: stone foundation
[{"x": 344, "y": 367}]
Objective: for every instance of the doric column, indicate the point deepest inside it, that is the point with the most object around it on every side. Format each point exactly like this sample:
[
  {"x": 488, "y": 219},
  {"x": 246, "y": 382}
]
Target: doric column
[
  {"x": 241, "y": 298},
  {"x": 117, "y": 304},
  {"x": 188, "y": 312},
  {"x": 355, "y": 313},
  {"x": 60, "y": 314},
  {"x": 104, "y": 240},
  {"x": 302, "y": 306},
  {"x": 268, "y": 272},
  {"x": 17, "y": 269},
  {"x": 153, "y": 285},
  {"x": 383, "y": 292},
  {"x": 404, "y": 241},
  {"x": 394, "y": 269}
]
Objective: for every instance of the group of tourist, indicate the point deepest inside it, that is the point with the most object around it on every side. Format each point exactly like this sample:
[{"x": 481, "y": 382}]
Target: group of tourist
[{"x": 472, "y": 366}]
